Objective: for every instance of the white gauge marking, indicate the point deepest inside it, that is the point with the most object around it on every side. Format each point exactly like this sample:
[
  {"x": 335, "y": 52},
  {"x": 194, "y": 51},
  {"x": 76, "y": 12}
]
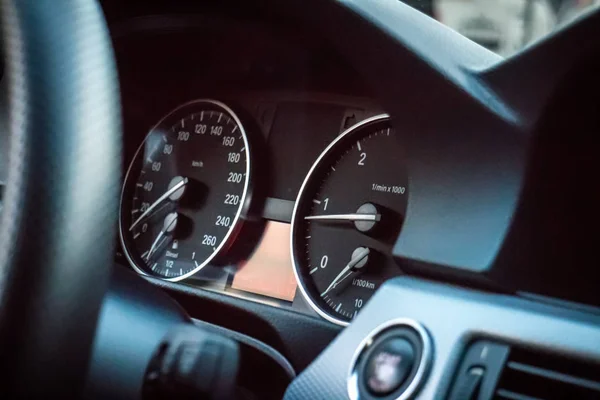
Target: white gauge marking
[
  {"x": 359, "y": 148},
  {"x": 314, "y": 270},
  {"x": 316, "y": 201}
]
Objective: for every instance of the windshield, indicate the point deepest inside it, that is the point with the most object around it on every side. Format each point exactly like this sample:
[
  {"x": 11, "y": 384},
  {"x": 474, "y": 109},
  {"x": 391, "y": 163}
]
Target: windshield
[{"x": 504, "y": 26}]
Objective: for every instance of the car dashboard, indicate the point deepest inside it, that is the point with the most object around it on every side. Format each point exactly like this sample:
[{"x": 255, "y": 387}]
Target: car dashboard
[
  {"x": 266, "y": 180},
  {"x": 299, "y": 100}
]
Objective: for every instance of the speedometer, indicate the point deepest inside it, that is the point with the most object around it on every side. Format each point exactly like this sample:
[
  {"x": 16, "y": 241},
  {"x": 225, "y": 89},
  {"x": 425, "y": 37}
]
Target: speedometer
[
  {"x": 347, "y": 217},
  {"x": 185, "y": 191}
]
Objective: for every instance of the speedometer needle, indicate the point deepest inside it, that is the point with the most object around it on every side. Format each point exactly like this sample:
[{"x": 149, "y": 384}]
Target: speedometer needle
[
  {"x": 358, "y": 256},
  {"x": 162, "y": 198},
  {"x": 345, "y": 217}
]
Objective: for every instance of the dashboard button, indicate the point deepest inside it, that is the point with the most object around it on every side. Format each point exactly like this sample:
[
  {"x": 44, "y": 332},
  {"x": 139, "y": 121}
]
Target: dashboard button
[
  {"x": 388, "y": 366},
  {"x": 392, "y": 362}
]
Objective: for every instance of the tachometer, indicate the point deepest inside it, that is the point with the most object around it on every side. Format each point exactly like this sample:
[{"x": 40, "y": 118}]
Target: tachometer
[
  {"x": 185, "y": 190},
  {"x": 347, "y": 216}
]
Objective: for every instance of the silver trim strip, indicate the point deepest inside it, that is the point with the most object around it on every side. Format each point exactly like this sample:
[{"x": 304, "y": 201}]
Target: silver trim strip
[
  {"x": 351, "y": 130},
  {"x": 242, "y": 204},
  {"x": 424, "y": 362}
]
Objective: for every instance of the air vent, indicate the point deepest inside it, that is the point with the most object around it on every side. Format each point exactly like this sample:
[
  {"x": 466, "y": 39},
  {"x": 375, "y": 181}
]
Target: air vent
[{"x": 529, "y": 375}]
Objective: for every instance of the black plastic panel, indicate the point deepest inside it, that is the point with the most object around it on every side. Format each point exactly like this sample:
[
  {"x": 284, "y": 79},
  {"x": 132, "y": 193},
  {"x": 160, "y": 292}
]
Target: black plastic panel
[
  {"x": 552, "y": 245},
  {"x": 298, "y": 337},
  {"x": 135, "y": 317},
  {"x": 453, "y": 317}
]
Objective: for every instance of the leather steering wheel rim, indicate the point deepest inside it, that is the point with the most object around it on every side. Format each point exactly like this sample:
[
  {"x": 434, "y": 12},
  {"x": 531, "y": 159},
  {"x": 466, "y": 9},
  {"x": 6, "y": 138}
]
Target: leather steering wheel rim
[{"x": 57, "y": 229}]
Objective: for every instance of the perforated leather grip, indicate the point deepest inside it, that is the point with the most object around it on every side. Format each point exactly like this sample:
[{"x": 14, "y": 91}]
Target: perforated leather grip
[{"x": 60, "y": 205}]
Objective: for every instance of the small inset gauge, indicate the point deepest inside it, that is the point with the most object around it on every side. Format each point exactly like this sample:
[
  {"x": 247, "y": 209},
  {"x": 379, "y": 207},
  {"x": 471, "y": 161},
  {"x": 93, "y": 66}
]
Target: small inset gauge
[
  {"x": 185, "y": 191},
  {"x": 347, "y": 216}
]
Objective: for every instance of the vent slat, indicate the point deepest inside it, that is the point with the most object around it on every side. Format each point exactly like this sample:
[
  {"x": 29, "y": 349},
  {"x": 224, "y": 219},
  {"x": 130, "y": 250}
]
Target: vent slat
[
  {"x": 533, "y": 375},
  {"x": 553, "y": 375},
  {"x": 508, "y": 395}
]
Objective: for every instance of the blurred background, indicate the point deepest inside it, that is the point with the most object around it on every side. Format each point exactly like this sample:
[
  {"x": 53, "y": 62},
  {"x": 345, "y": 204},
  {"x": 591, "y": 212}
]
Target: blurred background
[{"x": 504, "y": 26}]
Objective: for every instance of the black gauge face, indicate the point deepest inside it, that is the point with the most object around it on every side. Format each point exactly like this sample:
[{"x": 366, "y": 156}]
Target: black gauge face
[
  {"x": 185, "y": 190},
  {"x": 347, "y": 216}
]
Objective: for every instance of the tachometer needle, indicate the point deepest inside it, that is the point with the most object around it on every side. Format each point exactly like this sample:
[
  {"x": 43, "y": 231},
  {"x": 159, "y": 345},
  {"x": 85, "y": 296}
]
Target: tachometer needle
[
  {"x": 345, "y": 217},
  {"x": 359, "y": 258},
  {"x": 365, "y": 218},
  {"x": 162, "y": 198}
]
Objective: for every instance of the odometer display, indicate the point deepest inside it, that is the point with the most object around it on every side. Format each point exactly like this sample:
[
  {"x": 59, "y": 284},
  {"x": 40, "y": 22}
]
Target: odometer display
[
  {"x": 185, "y": 190},
  {"x": 348, "y": 214}
]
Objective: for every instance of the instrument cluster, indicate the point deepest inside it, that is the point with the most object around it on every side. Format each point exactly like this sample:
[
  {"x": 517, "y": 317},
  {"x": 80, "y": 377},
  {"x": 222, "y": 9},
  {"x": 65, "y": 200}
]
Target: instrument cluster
[{"x": 281, "y": 201}]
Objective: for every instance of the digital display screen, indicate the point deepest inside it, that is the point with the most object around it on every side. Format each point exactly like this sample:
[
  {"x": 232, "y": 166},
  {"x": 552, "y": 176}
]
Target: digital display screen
[
  {"x": 300, "y": 132},
  {"x": 269, "y": 271}
]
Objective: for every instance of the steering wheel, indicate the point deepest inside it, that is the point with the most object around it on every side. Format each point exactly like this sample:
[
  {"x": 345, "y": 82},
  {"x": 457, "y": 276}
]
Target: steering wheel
[{"x": 60, "y": 203}]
